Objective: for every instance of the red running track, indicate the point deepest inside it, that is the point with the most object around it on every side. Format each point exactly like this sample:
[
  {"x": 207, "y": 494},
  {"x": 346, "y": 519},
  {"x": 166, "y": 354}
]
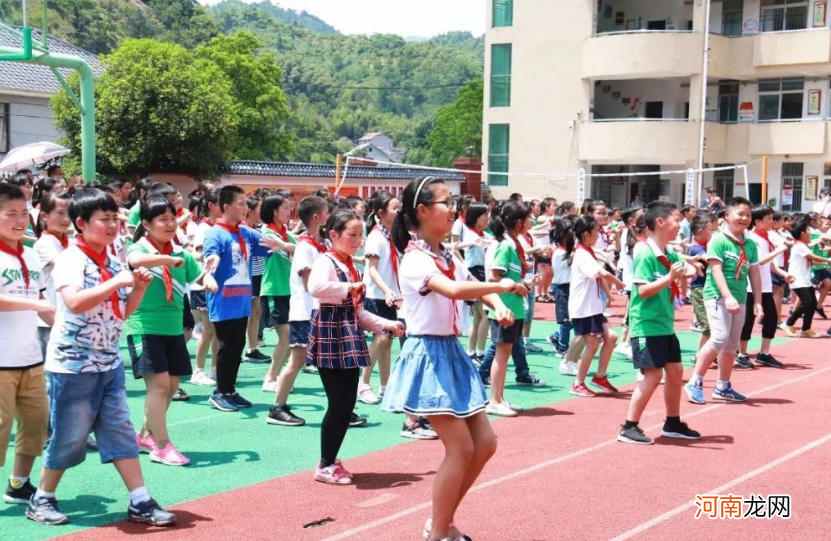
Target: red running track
[{"x": 559, "y": 474}]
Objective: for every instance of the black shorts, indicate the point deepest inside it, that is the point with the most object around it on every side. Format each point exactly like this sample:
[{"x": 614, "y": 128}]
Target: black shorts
[
  {"x": 818, "y": 276},
  {"x": 544, "y": 261},
  {"x": 776, "y": 280},
  {"x": 299, "y": 333},
  {"x": 561, "y": 293},
  {"x": 506, "y": 335},
  {"x": 655, "y": 351},
  {"x": 187, "y": 317},
  {"x": 256, "y": 285},
  {"x": 198, "y": 300},
  {"x": 156, "y": 354},
  {"x": 379, "y": 308},
  {"x": 478, "y": 272},
  {"x": 280, "y": 312},
  {"x": 588, "y": 325}
]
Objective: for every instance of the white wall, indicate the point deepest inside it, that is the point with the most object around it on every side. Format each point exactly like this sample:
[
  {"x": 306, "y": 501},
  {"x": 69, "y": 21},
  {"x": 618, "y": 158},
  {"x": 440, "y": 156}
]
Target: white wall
[
  {"x": 30, "y": 120},
  {"x": 670, "y": 92},
  {"x": 675, "y": 12}
]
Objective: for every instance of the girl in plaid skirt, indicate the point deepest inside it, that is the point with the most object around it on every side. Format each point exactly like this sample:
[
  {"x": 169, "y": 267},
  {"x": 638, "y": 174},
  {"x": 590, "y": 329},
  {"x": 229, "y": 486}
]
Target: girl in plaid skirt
[
  {"x": 434, "y": 376},
  {"x": 336, "y": 341}
]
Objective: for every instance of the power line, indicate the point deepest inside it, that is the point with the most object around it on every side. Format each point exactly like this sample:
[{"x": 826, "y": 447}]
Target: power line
[{"x": 423, "y": 87}]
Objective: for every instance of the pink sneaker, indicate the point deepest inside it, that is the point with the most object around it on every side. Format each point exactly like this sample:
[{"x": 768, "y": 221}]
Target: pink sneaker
[
  {"x": 580, "y": 389},
  {"x": 339, "y": 464},
  {"x": 146, "y": 444},
  {"x": 169, "y": 455},
  {"x": 333, "y": 475}
]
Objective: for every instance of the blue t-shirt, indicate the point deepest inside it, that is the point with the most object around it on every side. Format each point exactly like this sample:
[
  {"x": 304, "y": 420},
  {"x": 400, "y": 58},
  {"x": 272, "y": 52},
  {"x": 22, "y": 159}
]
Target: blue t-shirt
[
  {"x": 233, "y": 299},
  {"x": 698, "y": 281}
]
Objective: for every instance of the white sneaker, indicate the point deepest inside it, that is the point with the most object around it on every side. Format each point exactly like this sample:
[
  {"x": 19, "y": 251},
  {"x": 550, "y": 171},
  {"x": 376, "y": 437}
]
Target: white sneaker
[
  {"x": 201, "y": 378},
  {"x": 624, "y": 349},
  {"x": 568, "y": 368},
  {"x": 366, "y": 395},
  {"x": 501, "y": 410},
  {"x": 516, "y": 407},
  {"x": 270, "y": 386}
]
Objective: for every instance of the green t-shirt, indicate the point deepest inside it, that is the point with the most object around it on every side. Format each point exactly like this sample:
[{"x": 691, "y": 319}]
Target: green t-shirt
[
  {"x": 821, "y": 250},
  {"x": 133, "y": 216},
  {"x": 654, "y": 316},
  {"x": 154, "y": 315},
  {"x": 277, "y": 270},
  {"x": 507, "y": 260},
  {"x": 721, "y": 247}
]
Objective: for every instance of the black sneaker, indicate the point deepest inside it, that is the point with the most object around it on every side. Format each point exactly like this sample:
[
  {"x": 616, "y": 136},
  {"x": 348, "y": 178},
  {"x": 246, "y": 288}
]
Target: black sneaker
[
  {"x": 45, "y": 511},
  {"x": 92, "y": 445},
  {"x": 766, "y": 359},
  {"x": 633, "y": 434},
  {"x": 821, "y": 313},
  {"x": 486, "y": 381},
  {"x": 356, "y": 420},
  {"x": 150, "y": 512},
  {"x": 21, "y": 494},
  {"x": 256, "y": 355},
  {"x": 238, "y": 400},
  {"x": 282, "y": 415},
  {"x": 743, "y": 361},
  {"x": 679, "y": 430},
  {"x": 180, "y": 396},
  {"x": 530, "y": 380}
]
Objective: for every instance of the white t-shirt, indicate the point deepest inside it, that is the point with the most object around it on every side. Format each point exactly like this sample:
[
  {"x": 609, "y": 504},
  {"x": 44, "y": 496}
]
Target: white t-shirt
[
  {"x": 562, "y": 271},
  {"x": 474, "y": 255},
  {"x": 529, "y": 258},
  {"x": 430, "y": 313},
  {"x": 458, "y": 229},
  {"x": 86, "y": 342},
  {"x": 584, "y": 296},
  {"x": 778, "y": 240},
  {"x": 379, "y": 246},
  {"x": 799, "y": 267},
  {"x": 764, "y": 269},
  {"x": 18, "y": 330},
  {"x": 301, "y": 302},
  {"x": 48, "y": 248},
  {"x": 626, "y": 260}
]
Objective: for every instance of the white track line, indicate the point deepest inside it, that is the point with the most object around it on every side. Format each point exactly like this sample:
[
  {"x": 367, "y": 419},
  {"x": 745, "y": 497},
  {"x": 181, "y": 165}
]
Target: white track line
[
  {"x": 723, "y": 488},
  {"x": 554, "y": 461}
]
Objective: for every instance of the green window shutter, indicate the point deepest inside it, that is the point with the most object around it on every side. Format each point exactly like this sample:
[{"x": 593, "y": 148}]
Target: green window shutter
[
  {"x": 503, "y": 13},
  {"x": 500, "y": 75},
  {"x": 499, "y": 139}
]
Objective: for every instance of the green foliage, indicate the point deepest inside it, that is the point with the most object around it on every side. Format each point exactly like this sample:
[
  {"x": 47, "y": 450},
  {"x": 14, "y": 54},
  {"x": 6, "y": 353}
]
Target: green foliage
[{"x": 457, "y": 129}]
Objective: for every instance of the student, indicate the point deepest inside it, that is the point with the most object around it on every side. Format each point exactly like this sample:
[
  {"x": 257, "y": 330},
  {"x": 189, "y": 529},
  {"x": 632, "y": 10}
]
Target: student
[
  {"x": 336, "y": 340},
  {"x": 634, "y": 234},
  {"x": 22, "y": 305},
  {"x": 313, "y": 212},
  {"x": 275, "y": 212},
  {"x": 563, "y": 230},
  {"x": 155, "y": 334},
  {"x": 655, "y": 347},
  {"x": 801, "y": 260},
  {"x": 252, "y": 220},
  {"x": 585, "y": 307},
  {"x": 23, "y": 180},
  {"x": 209, "y": 213},
  {"x": 534, "y": 251},
  {"x": 84, "y": 368},
  {"x": 433, "y": 376},
  {"x": 230, "y": 306},
  {"x": 383, "y": 295},
  {"x": 761, "y": 223},
  {"x": 779, "y": 275},
  {"x": 701, "y": 234},
  {"x": 820, "y": 275},
  {"x": 732, "y": 260},
  {"x": 476, "y": 242}
]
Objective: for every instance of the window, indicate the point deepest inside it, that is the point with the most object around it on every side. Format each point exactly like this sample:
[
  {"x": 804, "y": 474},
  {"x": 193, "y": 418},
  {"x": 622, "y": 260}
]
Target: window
[
  {"x": 503, "y": 13},
  {"x": 779, "y": 15},
  {"x": 4, "y": 127},
  {"x": 827, "y": 182},
  {"x": 728, "y": 102},
  {"x": 501, "y": 75},
  {"x": 781, "y": 99},
  {"x": 791, "y": 186},
  {"x": 731, "y": 17},
  {"x": 723, "y": 182},
  {"x": 499, "y": 141}
]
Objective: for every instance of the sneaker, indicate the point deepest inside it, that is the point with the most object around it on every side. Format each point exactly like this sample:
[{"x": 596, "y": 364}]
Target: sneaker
[
  {"x": 257, "y": 356},
  {"x": 790, "y": 330},
  {"x": 500, "y": 409},
  {"x": 146, "y": 444},
  {"x": 418, "y": 431},
  {"x": 202, "y": 379},
  {"x": 150, "y": 512},
  {"x": 18, "y": 492},
  {"x": 261, "y": 343},
  {"x": 92, "y": 445},
  {"x": 366, "y": 395},
  {"x": 222, "y": 402},
  {"x": 821, "y": 313},
  {"x": 766, "y": 359},
  {"x": 344, "y": 471},
  {"x": 180, "y": 396},
  {"x": 486, "y": 381},
  {"x": 729, "y": 394},
  {"x": 169, "y": 456},
  {"x": 625, "y": 349},
  {"x": 695, "y": 393},
  {"x": 696, "y": 327},
  {"x": 529, "y": 380},
  {"x": 810, "y": 333},
  {"x": 780, "y": 326},
  {"x": 559, "y": 354},
  {"x": 239, "y": 401},
  {"x": 580, "y": 389},
  {"x": 356, "y": 420},
  {"x": 680, "y": 431},
  {"x": 531, "y": 347},
  {"x": 604, "y": 384},
  {"x": 309, "y": 369},
  {"x": 270, "y": 386},
  {"x": 45, "y": 511},
  {"x": 633, "y": 434},
  {"x": 282, "y": 415},
  {"x": 516, "y": 407},
  {"x": 743, "y": 362},
  {"x": 553, "y": 340},
  {"x": 333, "y": 475},
  {"x": 568, "y": 368}
]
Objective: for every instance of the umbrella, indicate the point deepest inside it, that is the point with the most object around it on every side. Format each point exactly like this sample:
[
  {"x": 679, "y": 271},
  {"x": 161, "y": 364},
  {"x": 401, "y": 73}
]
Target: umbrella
[{"x": 31, "y": 154}]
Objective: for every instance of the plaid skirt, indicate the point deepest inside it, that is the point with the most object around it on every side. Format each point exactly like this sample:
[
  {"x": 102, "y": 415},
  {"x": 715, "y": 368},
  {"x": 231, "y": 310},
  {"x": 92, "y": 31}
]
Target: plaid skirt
[{"x": 336, "y": 339}]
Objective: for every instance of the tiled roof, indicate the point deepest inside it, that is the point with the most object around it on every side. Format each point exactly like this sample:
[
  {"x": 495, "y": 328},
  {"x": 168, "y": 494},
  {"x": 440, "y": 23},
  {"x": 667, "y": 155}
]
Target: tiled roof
[
  {"x": 283, "y": 169},
  {"x": 20, "y": 76},
  {"x": 370, "y": 136}
]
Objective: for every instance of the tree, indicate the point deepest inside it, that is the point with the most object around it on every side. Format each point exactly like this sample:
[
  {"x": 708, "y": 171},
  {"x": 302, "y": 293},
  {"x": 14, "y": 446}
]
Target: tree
[
  {"x": 158, "y": 107},
  {"x": 458, "y": 126}
]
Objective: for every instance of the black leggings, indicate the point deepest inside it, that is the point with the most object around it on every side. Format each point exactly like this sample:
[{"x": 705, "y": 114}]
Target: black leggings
[
  {"x": 341, "y": 386},
  {"x": 231, "y": 334},
  {"x": 807, "y": 307},
  {"x": 768, "y": 319}
]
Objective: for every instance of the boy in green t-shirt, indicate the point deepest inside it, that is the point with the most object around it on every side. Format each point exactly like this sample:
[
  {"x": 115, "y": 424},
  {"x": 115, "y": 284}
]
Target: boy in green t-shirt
[
  {"x": 732, "y": 259},
  {"x": 820, "y": 275},
  {"x": 655, "y": 347}
]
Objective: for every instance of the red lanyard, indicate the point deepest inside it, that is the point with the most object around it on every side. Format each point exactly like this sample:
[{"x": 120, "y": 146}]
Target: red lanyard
[
  {"x": 18, "y": 253},
  {"x": 235, "y": 229},
  {"x": 393, "y": 249},
  {"x": 101, "y": 260},
  {"x": 64, "y": 239},
  {"x": 742, "y": 255},
  {"x": 167, "y": 277}
]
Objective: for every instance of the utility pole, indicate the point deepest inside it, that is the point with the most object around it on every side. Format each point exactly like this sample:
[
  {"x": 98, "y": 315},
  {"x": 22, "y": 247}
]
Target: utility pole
[{"x": 705, "y": 69}]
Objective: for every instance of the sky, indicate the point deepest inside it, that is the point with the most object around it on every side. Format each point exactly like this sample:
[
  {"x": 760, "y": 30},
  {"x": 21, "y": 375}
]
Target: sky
[{"x": 421, "y": 18}]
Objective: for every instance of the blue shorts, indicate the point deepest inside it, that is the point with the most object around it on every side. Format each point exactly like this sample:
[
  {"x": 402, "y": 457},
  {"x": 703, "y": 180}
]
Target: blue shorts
[
  {"x": 506, "y": 335},
  {"x": 299, "y": 333},
  {"x": 588, "y": 325},
  {"x": 819, "y": 275},
  {"x": 84, "y": 403}
]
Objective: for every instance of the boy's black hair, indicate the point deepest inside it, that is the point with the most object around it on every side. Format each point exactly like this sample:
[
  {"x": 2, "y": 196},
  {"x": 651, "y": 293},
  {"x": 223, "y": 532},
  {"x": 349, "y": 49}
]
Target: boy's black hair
[
  {"x": 658, "y": 209},
  {"x": 721, "y": 214},
  {"x": 701, "y": 221},
  {"x": 86, "y": 201},
  {"x": 737, "y": 202},
  {"x": 777, "y": 215},
  {"x": 759, "y": 212},
  {"x": 310, "y": 206},
  {"x": 515, "y": 197},
  {"x": 628, "y": 213},
  {"x": 160, "y": 188},
  {"x": 686, "y": 208},
  {"x": 227, "y": 194},
  {"x": 10, "y": 192},
  {"x": 798, "y": 228}
]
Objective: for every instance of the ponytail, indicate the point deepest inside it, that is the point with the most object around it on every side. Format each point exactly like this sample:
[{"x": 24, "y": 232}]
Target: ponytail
[{"x": 416, "y": 193}]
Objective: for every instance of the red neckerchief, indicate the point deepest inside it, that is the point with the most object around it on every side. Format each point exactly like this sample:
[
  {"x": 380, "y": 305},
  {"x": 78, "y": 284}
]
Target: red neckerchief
[
  {"x": 307, "y": 238},
  {"x": 18, "y": 253},
  {"x": 742, "y": 255},
  {"x": 764, "y": 235},
  {"x": 479, "y": 232},
  {"x": 234, "y": 229},
  {"x": 101, "y": 260},
  {"x": 673, "y": 285},
  {"x": 354, "y": 275},
  {"x": 282, "y": 232},
  {"x": 63, "y": 239},
  {"x": 702, "y": 244},
  {"x": 167, "y": 277},
  {"x": 520, "y": 251},
  {"x": 449, "y": 269},
  {"x": 393, "y": 250},
  {"x": 580, "y": 245},
  {"x": 208, "y": 221}
]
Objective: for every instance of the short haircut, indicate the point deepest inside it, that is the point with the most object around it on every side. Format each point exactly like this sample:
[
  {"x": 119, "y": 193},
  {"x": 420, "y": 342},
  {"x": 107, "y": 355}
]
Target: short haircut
[
  {"x": 515, "y": 197},
  {"x": 271, "y": 204},
  {"x": 759, "y": 212},
  {"x": 656, "y": 210},
  {"x": 737, "y": 202},
  {"x": 310, "y": 206},
  {"x": 86, "y": 201},
  {"x": 799, "y": 228},
  {"x": 160, "y": 188},
  {"x": 119, "y": 183},
  {"x": 474, "y": 212},
  {"x": 701, "y": 221},
  {"x": 687, "y": 208},
  {"x": 227, "y": 195},
  {"x": 10, "y": 192}
]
